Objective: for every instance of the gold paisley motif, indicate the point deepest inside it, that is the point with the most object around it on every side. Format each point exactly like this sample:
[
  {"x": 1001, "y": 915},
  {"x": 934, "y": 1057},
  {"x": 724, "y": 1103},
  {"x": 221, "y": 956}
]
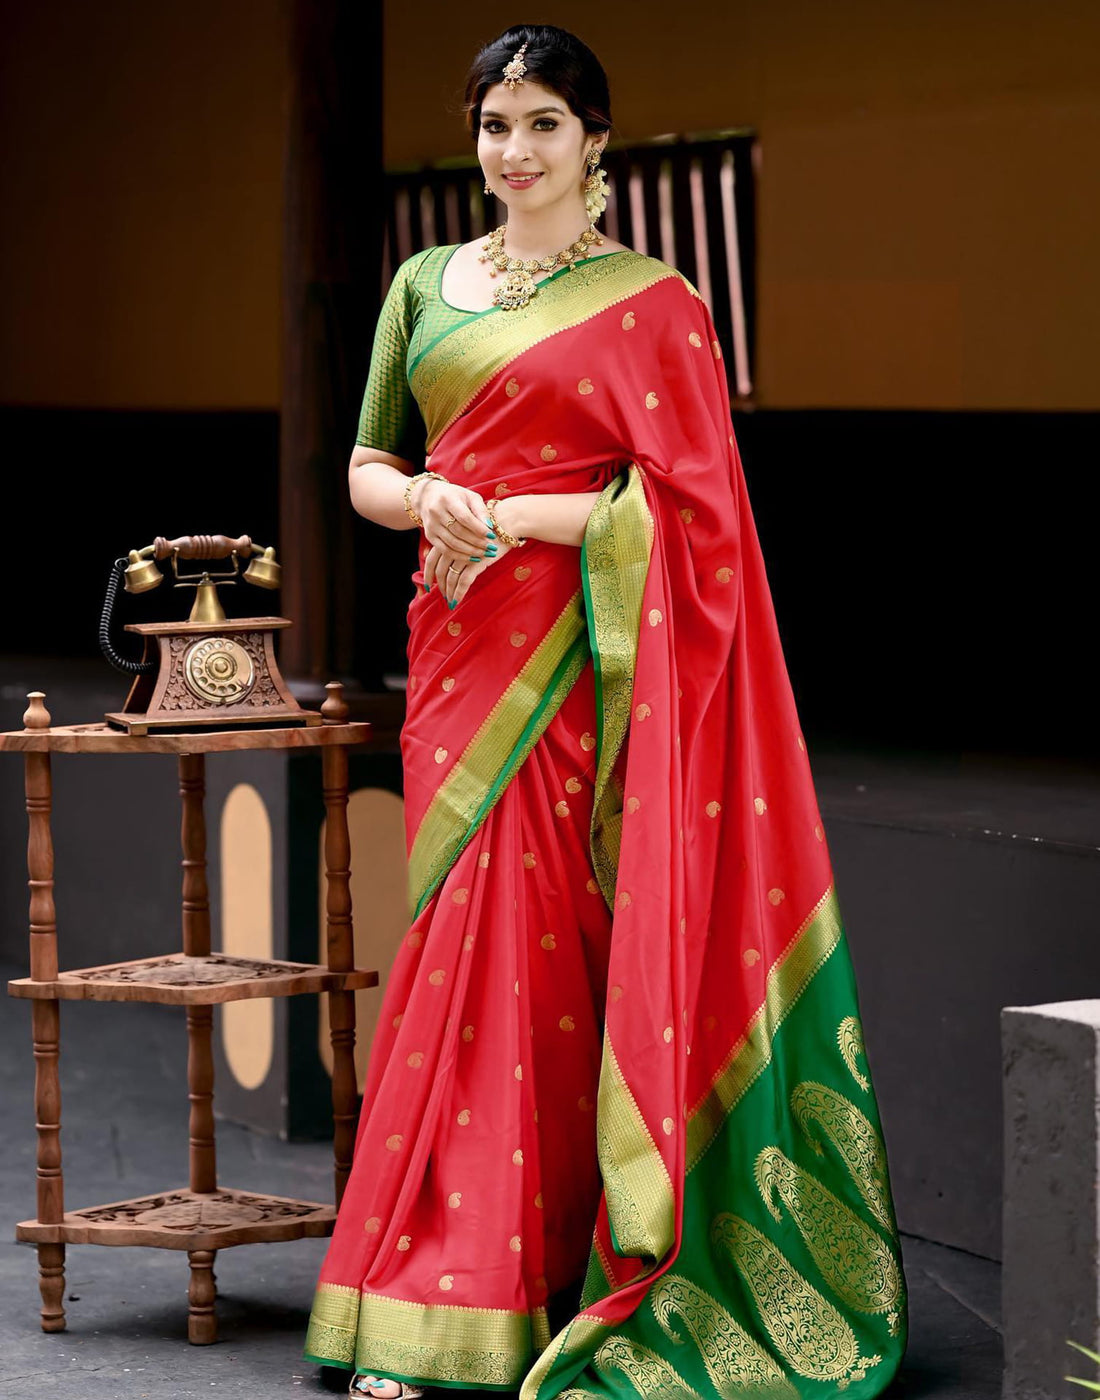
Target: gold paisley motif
[
  {"x": 854, "y": 1259},
  {"x": 853, "y": 1135},
  {"x": 807, "y": 1331},
  {"x": 736, "y": 1364},
  {"x": 644, "y": 1369},
  {"x": 849, "y": 1036}
]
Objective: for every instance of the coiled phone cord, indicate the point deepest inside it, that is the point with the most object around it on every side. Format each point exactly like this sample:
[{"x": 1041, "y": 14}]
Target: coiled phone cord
[{"x": 119, "y": 662}]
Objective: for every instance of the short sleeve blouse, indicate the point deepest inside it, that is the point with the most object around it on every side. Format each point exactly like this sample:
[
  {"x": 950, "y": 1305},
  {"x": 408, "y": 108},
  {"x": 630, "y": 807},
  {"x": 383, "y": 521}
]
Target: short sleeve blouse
[{"x": 413, "y": 314}]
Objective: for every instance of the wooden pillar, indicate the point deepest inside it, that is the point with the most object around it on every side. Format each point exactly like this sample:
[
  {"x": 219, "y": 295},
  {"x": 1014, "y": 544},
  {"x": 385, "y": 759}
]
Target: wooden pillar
[
  {"x": 196, "y": 944},
  {"x": 333, "y": 224}
]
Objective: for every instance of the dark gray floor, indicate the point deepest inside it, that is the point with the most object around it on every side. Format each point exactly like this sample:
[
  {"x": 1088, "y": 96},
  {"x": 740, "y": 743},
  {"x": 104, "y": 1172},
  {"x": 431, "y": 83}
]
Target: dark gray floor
[{"x": 124, "y": 1116}]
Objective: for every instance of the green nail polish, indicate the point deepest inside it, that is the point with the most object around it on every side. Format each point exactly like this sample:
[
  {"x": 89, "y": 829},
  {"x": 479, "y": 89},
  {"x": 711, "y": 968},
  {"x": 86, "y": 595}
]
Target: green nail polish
[
  {"x": 475, "y": 558},
  {"x": 453, "y": 604}
]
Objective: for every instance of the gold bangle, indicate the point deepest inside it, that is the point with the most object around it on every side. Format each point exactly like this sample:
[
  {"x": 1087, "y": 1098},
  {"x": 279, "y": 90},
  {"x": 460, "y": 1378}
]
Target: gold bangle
[
  {"x": 420, "y": 476},
  {"x": 502, "y": 535}
]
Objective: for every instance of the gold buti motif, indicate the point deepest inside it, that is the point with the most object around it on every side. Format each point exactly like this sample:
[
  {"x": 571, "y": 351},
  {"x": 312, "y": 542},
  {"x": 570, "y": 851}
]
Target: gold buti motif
[
  {"x": 750, "y": 957},
  {"x": 515, "y": 1244},
  {"x": 624, "y": 900},
  {"x": 802, "y": 743},
  {"x": 736, "y": 1363},
  {"x": 447, "y": 1282},
  {"x": 567, "y": 1024},
  {"x": 632, "y": 804},
  {"x": 415, "y": 938},
  {"x": 668, "y": 1034},
  {"x": 668, "y": 1124},
  {"x": 548, "y": 941},
  {"x": 522, "y": 573},
  {"x": 776, "y": 896},
  {"x": 853, "y": 1258},
  {"x": 471, "y": 461},
  {"x": 398, "y": 1019},
  {"x": 651, "y": 400},
  {"x": 460, "y": 896},
  {"x": 717, "y": 349},
  {"x": 454, "y": 1200},
  {"x": 655, "y": 616},
  {"x": 849, "y": 1036},
  {"x": 517, "y": 1157},
  {"x": 628, "y": 321},
  {"x": 394, "y": 1141},
  {"x": 616, "y": 993},
  {"x": 501, "y": 489},
  {"x": 687, "y": 515},
  {"x": 373, "y": 1225},
  {"x": 695, "y": 339},
  {"x": 591, "y": 886},
  {"x": 415, "y": 1060},
  {"x": 448, "y": 683},
  {"x": 572, "y": 784},
  {"x": 518, "y": 638},
  {"x": 404, "y": 1243},
  {"x": 437, "y": 977},
  {"x": 512, "y": 388},
  {"x": 561, "y": 809},
  {"x": 645, "y": 1371},
  {"x": 806, "y": 1330},
  {"x": 548, "y": 453},
  {"x": 588, "y": 742},
  {"x": 529, "y": 860},
  {"x": 854, "y": 1136},
  {"x": 585, "y": 386},
  {"x": 463, "y": 1118},
  {"x": 724, "y": 574},
  {"x": 759, "y": 805},
  {"x": 642, "y": 711},
  {"x": 467, "y": 1034},
  {"x": 441, "y": 755},
  {"x": 518, "y": 1071},
  {"x": 454, "y": 628},
  {"x": 819, "y": 832},
  {"x": 467, "y": 942},
  {"x": 483, "y": 860},
  {"x": 584, "y": 1103},
  {"x": 712, "y": 808},
  {"x": 538, "y": 1201}
]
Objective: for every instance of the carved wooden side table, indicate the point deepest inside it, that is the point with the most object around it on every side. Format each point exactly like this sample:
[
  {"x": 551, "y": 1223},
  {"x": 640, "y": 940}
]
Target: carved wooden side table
[{"x": 202, "y": 1217}]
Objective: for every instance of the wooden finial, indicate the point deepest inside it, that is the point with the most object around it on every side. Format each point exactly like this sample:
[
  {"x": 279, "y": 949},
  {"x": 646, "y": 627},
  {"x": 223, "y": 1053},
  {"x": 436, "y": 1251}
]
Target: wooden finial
[
  {"x": 36, "y": 716},
  {"x": 335, "y": 709}
]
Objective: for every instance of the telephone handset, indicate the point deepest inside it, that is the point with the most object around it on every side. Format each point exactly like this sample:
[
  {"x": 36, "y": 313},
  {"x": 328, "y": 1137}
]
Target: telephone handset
[{"x": 208, "y": 670}]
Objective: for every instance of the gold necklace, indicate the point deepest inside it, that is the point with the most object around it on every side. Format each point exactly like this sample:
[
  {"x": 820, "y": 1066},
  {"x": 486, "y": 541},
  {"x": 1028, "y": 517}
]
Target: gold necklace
[{"x": 519, "y": 286}]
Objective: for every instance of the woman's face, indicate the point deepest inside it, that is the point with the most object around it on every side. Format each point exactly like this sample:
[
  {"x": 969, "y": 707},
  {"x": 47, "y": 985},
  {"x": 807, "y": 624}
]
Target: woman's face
[{"x": 532, "y": 132}]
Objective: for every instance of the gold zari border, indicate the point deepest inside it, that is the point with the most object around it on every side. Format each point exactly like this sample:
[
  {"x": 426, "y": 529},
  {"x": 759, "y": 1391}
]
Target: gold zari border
[
  {"x": 618, "y": 541},
  {"x": 501, "y": 743},
  {"x": 424, "y": 1341},
  {"x": 788, "y": 978},
  {"x": 637, "y": 1185}
]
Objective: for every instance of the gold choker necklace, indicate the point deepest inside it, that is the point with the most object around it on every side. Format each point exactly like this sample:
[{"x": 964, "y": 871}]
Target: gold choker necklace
[{"x": 519, "y": 286}]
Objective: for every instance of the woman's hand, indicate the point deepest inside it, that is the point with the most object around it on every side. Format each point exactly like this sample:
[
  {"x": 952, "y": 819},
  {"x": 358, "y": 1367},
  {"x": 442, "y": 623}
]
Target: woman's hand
[
  {"x": 454, "y": 583},
  {"x": 436, "y": 502}
]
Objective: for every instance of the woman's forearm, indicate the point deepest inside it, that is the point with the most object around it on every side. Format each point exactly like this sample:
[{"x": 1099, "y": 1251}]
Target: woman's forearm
[
  {"x": 555, "y": 518},
  {"x": 377, "y": 491}
]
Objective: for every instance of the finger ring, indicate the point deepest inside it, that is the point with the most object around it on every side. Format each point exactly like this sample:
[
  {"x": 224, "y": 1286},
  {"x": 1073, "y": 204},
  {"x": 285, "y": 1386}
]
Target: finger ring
[{"x": 450, "y": 520}]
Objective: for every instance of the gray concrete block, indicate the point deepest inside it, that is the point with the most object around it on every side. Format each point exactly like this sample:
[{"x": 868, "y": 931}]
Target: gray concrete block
[{"x": 1051, "y": 1061}]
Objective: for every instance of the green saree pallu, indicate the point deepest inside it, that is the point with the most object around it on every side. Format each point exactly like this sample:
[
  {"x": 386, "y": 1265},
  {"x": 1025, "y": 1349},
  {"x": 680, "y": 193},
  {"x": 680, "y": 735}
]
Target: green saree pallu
[{"x": 619, "y": 1135}]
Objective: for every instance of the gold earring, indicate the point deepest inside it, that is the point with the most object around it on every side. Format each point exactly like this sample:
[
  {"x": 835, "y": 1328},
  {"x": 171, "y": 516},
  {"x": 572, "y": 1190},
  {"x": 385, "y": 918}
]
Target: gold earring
[{"x": 488, "y": 187}]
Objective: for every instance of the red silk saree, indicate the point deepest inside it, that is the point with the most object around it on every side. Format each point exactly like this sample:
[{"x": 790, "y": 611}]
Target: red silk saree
[{"x": 621, "y": 1041}]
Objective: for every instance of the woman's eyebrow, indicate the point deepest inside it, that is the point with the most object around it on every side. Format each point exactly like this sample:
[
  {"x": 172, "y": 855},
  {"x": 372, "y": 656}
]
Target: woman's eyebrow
[{"x": 533, "y": 113}]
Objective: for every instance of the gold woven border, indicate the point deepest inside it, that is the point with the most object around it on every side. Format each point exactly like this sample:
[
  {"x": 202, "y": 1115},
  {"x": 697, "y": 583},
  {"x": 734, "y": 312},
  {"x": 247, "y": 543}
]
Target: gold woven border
[
  {"x": 451, "y": 375},
  {"x": 502, "y": 741},
  {"x": 788, "y": 978},
  {"x": 636, "y": 1182},
  {"x": 424, "y": 1341},
  {"x": 618, "y": 541},
  {"x": 582, "y": 1334}
]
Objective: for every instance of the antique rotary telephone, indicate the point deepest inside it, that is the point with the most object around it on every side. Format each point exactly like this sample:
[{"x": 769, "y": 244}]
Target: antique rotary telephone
[{"x": 207, "y": 670}]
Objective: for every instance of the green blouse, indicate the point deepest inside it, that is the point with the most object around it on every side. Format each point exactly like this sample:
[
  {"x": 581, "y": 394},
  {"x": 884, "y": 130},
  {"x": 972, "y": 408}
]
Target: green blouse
[{"x": 413, "y": 315}]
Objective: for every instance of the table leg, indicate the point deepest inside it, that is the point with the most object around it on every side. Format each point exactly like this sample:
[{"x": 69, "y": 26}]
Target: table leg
[
  {"x": 196, "y": 944},
  {"x": 341, "y": 958},
  {"x": 202, "y": 1321},
  {"x": 46, "y": 1032}
]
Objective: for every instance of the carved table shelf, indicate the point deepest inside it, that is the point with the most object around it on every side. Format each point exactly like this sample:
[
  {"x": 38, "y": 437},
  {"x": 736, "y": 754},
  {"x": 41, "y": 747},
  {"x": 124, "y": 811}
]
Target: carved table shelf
[{"x": 202, "y": 1217}]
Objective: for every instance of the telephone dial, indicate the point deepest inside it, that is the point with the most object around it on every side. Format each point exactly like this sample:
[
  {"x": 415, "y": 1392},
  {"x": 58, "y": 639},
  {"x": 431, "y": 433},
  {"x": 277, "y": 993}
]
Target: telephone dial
[{"x": 208, "y": 670}]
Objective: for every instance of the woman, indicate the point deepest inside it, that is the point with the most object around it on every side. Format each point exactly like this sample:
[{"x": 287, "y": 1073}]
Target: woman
[{"x": 619, "y": 1136}]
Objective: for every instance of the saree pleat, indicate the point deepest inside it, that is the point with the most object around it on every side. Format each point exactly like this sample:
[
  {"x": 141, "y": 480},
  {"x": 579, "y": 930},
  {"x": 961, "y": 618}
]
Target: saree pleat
[{"x": 619, "y": 1068}]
